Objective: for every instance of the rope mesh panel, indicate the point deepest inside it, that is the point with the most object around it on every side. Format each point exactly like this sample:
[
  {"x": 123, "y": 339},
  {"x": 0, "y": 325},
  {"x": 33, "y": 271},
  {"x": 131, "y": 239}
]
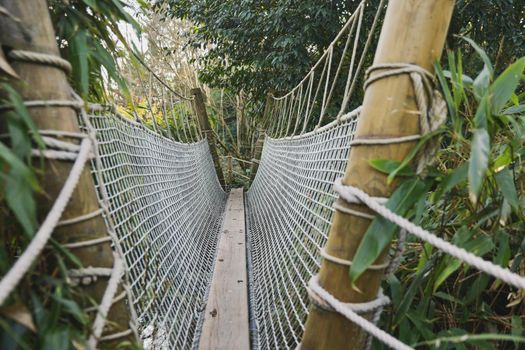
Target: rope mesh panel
[
  {"x": 289, "y": 212},
  {"x": 166, "y": 207}
]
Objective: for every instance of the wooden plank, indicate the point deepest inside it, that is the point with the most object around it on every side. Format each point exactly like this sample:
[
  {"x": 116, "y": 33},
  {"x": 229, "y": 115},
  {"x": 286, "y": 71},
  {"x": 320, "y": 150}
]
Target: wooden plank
[{"x": 226, "y": 318}]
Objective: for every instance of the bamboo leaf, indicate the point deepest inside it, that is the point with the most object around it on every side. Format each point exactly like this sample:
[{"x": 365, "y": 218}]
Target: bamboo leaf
[
  {"x": 387, "y": 166},
  {"x": 505, "y": 182},
  {"x": 79, "y": 53},
  {"x": 503, "y": 88},
  {"x": 479, "y": 160},
  {"x": 381, "y": 231}
]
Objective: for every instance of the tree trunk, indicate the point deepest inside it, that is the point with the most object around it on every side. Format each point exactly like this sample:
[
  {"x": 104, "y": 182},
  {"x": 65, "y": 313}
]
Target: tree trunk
[{"x": 43, "y": 82}]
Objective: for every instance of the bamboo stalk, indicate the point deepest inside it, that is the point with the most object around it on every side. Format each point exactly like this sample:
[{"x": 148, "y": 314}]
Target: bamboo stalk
[
  {"x": 202, "y": 115},
  {"x": 42, "y": 82},
  {"x": 414, "y": 31},
  {"x": 268, "y": 107}
]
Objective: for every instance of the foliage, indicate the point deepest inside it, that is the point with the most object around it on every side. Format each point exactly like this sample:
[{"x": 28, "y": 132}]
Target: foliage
[
  {"x": 261, "y": 45},
  {"x": 496, "y": 25},
  {"x": 87, "y": 32},
  {"x": 45, "y": 312},
  {"x": 476, "y": 201}
]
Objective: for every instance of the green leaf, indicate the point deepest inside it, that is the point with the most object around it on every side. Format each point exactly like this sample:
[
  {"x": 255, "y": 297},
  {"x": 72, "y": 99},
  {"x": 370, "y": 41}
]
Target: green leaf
[
  {"x": 451, "y": 180},
  {"x": 472, "y": 338},
  {"x": 79, "y": 54},
  {"x": 505, "y": 182},
  {"x": 381, "y": 231},
  {"x": 479, "y": 161},
  {"x": 503, "y": 88},
  {"x": 478, "y": 246},
  {"x": 19, "y": 185},
  {"x": 387, "y": 166},
  {"x": 517, "y": 329},
  {"x": 482, "y": 81},
  {"x": 17, "y": 103}
]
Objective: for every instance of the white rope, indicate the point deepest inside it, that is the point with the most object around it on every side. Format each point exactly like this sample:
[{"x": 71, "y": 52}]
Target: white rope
[
  {"x": 163, "y": 205},
  {"x": 352, "y": 194},
  {"x": 40, "y": 58},
  {"x": 107, "y": 301},
  {"x": 24, "y": 262},
  {"x": 346, "y": 262},
  {"x": 87, "y": 243},
  {"x": 80, "y": 218},
  {"x": 350, "y": 311}
]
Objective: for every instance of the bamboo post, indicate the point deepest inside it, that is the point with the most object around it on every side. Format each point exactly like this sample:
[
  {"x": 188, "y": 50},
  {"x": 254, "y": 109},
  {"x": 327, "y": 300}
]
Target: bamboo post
[
  {"x": 34, "y": 32},
  {"x": 202, "y": 115},
  {"x": 257, "y": 153},
  {"x": 230, "y": 169},
  {"x": 413, "y": 32},
  {"x": 261, "y": 136}
]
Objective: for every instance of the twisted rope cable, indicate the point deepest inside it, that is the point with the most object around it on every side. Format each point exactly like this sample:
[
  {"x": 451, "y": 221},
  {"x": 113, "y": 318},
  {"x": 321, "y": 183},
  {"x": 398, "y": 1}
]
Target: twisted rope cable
[
  {"x": 40, "y": 58},
  {"x": 353, "y": 194},
  {"x": 349, "y": 311},
  {"x": 37, "y": 244},
  {"x": 107, "y": 300}
]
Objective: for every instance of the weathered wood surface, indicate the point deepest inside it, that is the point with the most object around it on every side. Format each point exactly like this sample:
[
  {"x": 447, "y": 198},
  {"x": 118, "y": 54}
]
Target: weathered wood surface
[{"x": 226, "y": 318}]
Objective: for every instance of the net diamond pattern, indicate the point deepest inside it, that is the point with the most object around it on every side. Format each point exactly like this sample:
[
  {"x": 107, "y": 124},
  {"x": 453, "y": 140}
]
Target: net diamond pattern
[
  {"x": 166, "y": 207},
  {"x": 289, "y": 211}
]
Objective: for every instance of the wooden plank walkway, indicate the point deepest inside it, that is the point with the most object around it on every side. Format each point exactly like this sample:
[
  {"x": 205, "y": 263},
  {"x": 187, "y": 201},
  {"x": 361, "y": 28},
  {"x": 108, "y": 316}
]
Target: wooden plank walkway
[{"x": 226, "y": 320}]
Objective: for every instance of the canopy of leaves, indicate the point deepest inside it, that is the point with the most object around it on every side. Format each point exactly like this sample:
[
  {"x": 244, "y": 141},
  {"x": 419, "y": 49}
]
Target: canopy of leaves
[{"x": 260, "y": 45}]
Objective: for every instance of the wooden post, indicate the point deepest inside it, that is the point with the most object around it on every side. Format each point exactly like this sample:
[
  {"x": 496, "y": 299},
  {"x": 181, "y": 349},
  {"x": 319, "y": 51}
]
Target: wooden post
[
  {"x": 257, "y": 153},
  {"x": 202, "y": 115},
  {"x": 414, "y": 31},
  {"x": 230, "y": 169},
  {"x": 35, "y": 33}
]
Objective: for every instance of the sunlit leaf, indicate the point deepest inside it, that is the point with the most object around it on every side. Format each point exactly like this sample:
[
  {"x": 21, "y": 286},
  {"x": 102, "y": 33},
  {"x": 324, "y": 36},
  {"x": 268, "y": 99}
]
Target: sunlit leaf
[{"x": 479, "y": 160}]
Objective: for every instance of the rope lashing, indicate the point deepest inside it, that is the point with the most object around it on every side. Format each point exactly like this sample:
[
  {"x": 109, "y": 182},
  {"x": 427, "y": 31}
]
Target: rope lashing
[
  {"x": 80, "y": 218},
  {"x": 87, "y": 275},
  {"x": 76, "y": 105},
  {"x": 346, "y": 262},
  {"x": 62, "y": 150},
  {"x": 88, "y": 243},
  {"x": 40, "y": 58},
  {"x": 431, "y": 108},
  {"x": 353, "y": 194},
  {"x": 107, "y": 300},
  {"x": 351, "y": 312},
  {"x": 39, "y": 241}
]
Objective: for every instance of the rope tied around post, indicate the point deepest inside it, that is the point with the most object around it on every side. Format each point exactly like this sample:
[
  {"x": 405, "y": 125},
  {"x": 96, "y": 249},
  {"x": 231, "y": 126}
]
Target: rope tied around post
[
  {"x": 432, "y": 109},
  {"x": 41, "y": 58}
]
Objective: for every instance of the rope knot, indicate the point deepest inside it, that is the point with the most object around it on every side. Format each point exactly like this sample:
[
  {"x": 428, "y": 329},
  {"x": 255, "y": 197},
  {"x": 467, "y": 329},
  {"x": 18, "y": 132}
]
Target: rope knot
[{"x": 430, "y": 102}]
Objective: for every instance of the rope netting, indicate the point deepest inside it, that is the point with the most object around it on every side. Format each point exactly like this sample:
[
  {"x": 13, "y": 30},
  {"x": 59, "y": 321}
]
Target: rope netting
[
  {"x": 165, "y": 206},
  {"x": 289, "y": 211},
  {"x": 292, "y": 199}
]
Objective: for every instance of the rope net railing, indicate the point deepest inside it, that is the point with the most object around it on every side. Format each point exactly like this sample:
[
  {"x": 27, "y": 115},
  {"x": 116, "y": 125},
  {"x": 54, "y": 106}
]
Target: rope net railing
[
  {"x": 165, "y": 206},
  {"x": 289, "y": 211},
  {"x": 326, "y": 92},
  {"x": 290, "y": 202},
  {"x": 293, "y": 198}
]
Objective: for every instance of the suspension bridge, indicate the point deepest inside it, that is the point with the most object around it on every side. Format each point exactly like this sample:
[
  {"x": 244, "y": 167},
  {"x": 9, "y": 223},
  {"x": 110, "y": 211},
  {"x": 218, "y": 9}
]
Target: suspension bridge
[{"x": 199, "y": 267}]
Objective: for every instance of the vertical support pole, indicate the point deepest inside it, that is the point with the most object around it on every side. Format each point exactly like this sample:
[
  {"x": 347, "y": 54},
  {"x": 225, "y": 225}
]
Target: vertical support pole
[
  {"x": 261, "y": 136},
  {"x": 202, "y": 115},
  {"x": 413, "y": 32},
  {"x": 34, "y": 32},
  {"x": 257, "y": 153},
  {"x": 230, "y": 169}
]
